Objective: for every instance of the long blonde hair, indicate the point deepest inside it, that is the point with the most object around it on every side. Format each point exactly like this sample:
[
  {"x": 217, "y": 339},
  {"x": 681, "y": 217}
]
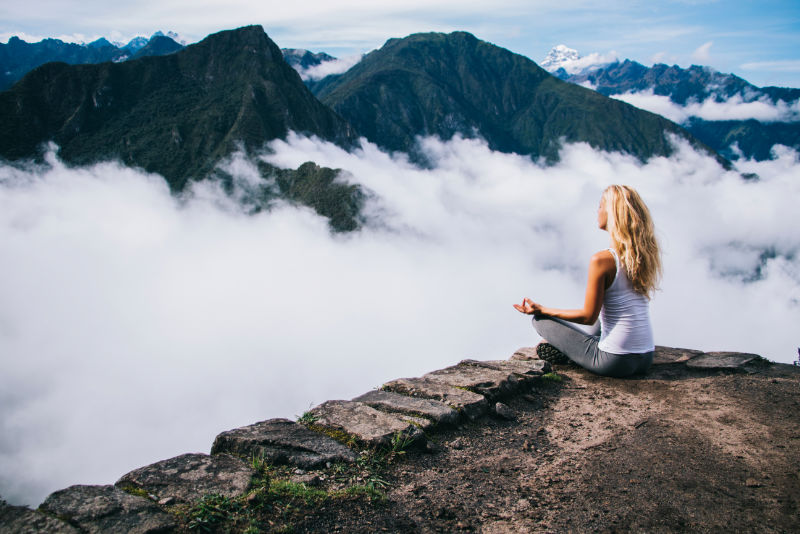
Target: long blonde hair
[{"x": 633, "y": 237}]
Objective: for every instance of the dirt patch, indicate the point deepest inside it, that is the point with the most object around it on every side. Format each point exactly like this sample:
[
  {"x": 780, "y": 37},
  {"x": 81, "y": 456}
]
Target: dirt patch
[{"x": 679, "y": 449}]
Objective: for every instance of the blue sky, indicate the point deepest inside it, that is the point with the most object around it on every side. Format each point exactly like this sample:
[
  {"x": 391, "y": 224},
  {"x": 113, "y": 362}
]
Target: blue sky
[{"x": 758, "y": 40}]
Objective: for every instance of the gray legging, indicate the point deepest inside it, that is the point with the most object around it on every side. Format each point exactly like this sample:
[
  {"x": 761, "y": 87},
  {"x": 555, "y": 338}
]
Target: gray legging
[{"x": 581, "y": 348}]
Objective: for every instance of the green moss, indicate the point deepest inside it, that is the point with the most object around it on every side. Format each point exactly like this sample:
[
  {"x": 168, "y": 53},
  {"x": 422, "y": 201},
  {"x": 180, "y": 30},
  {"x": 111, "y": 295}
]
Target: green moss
[
  {"x": 133, "y": 490},
  {"x": 552, "y": 377},
  {"x": 338, "y": 435}
]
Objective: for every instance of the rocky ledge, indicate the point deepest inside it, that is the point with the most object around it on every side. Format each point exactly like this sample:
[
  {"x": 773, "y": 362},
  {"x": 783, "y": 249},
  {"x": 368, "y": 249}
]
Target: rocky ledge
[{"x": 406, "y": 410}]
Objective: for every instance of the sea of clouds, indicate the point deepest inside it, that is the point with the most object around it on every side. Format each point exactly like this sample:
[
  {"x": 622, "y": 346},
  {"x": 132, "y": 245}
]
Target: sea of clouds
[
  {"x": 135, "y": 325},
  {"x": 734, "y": 108}
]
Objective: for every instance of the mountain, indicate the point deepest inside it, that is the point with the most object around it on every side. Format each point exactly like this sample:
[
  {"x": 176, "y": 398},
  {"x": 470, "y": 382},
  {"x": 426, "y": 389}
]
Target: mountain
[
  {"x": 158, "y": 45},
  {"x": 135, "y": 44},
  {"x": 558, "y": 57},
  {"x": 18, "y": 57},
  {"x": 447, "y": 84},
  {"x": 176, "y": 115},
  {"x": 302, "y": 59},
  {"x": 750, "y": 138}
]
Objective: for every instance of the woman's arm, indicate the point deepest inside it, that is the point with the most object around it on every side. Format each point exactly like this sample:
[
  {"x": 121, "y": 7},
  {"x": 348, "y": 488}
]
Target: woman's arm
[{"x": 602, "y": 270}]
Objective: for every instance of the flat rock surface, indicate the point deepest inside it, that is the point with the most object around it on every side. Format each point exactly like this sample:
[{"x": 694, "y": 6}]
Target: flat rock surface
[
  {"x": 722, "y": 360},
  {"x": 108, "y": 509},
  {"x": 23, "y": 520},
  {"x": 525, "y": 353},
  {"x": 528, "y": 368},
  {"x": 281, "y": 441},
  {"x": 368, "y": 425},
  {"x": 437, "y": 412},
  {"x": 188, "y": 477},
  {"x": 676, "y": 450},
  {"x": 488, "y": 382},
  {"x": 469, "y": 404},
  {"x": 667, "y": 355}
]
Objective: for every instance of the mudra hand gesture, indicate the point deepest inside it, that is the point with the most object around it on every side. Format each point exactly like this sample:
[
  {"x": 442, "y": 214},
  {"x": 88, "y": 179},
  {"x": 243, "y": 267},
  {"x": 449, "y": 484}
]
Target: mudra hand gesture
[{"x": 528, "y": 307}]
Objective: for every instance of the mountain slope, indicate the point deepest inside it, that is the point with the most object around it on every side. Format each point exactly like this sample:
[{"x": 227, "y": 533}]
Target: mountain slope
[
  {"x": 176, "y": 115},
  {"x": 437, "y": 84}
]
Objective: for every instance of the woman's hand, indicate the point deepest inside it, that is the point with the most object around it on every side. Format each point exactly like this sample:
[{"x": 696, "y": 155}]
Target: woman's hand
[{"x": 529, "y": 307}]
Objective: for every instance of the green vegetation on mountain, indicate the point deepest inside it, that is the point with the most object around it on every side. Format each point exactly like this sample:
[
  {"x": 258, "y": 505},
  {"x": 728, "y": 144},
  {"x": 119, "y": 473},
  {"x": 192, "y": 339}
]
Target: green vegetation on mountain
[
  {"x": 748, "y": 138},
  {"x": 176, "y": 115},
  {"x": 446, "y": 84}
]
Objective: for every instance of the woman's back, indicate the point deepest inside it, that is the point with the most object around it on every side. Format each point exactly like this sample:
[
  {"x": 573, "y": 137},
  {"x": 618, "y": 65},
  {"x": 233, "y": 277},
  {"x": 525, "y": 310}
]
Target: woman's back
[{"x": 625, "y": 326}]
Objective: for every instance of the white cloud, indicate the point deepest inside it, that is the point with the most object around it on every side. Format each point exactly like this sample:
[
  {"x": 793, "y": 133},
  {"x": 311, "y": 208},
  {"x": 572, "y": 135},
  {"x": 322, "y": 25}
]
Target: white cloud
[
  {"x": 135, "y": 327},
  {"x": 326, "y": 68},
  {"x": 735, "y": 108},
  {"x": 702, "y": 54}
]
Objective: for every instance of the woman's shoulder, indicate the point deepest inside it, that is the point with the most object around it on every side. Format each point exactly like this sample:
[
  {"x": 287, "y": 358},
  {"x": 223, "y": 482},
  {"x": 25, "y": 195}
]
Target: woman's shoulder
[
  {"x": 604, "y": 260},
  {"x": 603, "y": 256}
]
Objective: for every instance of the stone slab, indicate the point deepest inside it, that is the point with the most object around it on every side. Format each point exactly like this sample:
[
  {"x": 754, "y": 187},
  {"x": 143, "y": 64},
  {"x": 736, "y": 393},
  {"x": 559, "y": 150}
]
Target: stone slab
[
  {"x": 668, "y": 355},
  {"x": 370, "y": 427},
  {"x": 722, "y": 360},
  {"x": 490, "y": 383},
  {"x": 97, "y": 509},
  {"x": 525, "y": 353},
  {"x": 23, "y": 520},
  {"x": 188, "y": 477},
  {"x": 523, "y": 368},
  {"x": 437, "y": 413},
  {"x": 281, "y": 441},
  {"x": 467, "y": 403}
]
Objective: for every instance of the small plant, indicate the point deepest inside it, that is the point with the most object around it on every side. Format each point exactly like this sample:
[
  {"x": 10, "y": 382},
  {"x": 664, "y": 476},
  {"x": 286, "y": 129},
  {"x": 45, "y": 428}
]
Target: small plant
[
  {"x": 400, "y": 442},
  {"x": 552, "y": 377},
  {"x": 307, "y": 418},
  {"x": 212, "y": 511}
]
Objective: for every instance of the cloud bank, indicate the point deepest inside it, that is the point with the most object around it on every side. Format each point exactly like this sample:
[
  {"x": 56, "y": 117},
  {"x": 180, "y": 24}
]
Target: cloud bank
[
  {"x": 135, "y": 326},
  {"x": 326, "y": 68},
  {"x": 735, "y": 108}
]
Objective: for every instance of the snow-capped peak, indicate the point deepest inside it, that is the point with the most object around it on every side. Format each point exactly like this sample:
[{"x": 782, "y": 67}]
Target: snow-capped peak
[
  {"x": 559, "y": 56},
  {"x": 563, "y": 57}
]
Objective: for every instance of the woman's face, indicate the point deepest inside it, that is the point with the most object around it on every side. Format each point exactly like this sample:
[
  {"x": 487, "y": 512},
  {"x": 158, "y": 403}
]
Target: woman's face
[{"x": 602, "y": 214}]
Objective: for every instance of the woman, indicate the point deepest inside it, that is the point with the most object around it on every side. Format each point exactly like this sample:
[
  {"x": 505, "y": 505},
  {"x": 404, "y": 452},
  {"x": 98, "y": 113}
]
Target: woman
[{"x": 621, "y": 280}]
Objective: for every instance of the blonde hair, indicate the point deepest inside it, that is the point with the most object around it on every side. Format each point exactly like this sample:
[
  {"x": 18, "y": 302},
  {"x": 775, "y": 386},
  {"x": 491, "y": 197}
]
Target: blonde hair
[{"x": 633, "y": 237}]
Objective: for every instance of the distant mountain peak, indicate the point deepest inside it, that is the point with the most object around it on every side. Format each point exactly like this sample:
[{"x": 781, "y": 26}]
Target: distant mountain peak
[
  {"x": 563, "y": 61},
  {"x": 172, "y": 35},
  {"x": 559, "y": 56}
]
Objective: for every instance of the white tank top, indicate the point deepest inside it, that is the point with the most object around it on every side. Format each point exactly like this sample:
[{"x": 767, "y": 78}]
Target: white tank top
[{"x": 625, "y": 317}]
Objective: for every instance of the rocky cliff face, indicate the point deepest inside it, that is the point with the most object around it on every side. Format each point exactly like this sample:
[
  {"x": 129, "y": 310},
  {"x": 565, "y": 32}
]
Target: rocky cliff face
[{"x": 500, "y": 445}]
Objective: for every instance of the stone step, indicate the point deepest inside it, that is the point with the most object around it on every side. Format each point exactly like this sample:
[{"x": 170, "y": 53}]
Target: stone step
[
  {"x": 467, "y": 403},
  {"x": 525, "y": 353},
  {"x": 523, "y": 368},
  {"x": 101, "y": 509},
  {"x": 490, "y": 383},
  {"x": 668, "y": 355},
  {"x": 368, "y": 426},
  {"x": 722, "y": 360},
  {"x": 281, "y": 441},
  {"x": 21, "y": 519},
  {"x": 436, "y": 413},
  {"x": 188, "y": 477}
]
